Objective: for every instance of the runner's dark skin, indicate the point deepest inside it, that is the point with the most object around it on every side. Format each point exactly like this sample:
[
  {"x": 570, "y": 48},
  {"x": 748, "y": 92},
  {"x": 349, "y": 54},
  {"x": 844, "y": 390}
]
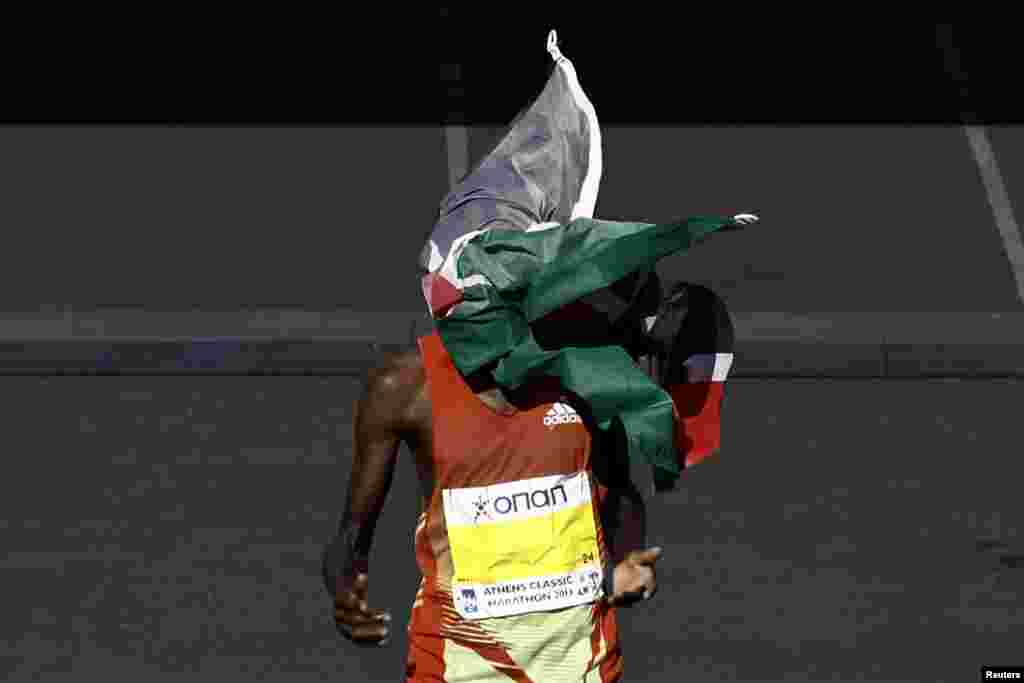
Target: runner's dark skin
[{"x": 394, "y": 408}]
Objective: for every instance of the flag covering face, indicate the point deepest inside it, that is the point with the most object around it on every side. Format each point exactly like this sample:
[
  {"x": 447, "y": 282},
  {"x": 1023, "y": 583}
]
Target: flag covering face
[
  {"x": 692, "y": 339},
  {"x": 546, "y": 171}
]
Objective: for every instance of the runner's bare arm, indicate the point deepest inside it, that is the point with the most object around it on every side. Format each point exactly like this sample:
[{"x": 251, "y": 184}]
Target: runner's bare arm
[
  {"x": 378, "y": 426},
  {"x": 630, "y": 575},
  {"x": 624, "y": 513}
]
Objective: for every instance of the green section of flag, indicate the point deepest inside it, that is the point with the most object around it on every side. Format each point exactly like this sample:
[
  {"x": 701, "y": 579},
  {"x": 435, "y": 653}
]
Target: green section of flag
[
  {"x": 536, "y": 273},
  {"x": 547, "y": 269}
]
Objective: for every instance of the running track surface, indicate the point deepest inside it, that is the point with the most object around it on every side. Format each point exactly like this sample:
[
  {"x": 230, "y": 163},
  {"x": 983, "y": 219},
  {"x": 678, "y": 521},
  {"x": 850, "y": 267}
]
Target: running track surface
[{"x": 156, "y": 526}]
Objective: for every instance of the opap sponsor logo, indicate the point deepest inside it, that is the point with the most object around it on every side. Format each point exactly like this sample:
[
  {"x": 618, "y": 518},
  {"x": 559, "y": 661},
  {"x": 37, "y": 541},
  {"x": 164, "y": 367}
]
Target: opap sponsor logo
[
  {"x": 561, "y": 414},
  {"x": 481, "y": 504},
  {"x": 515, "y": 500}
]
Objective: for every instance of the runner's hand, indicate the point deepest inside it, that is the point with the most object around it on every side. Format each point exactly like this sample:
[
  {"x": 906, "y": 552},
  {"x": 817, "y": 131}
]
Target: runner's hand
[
  {"x": 354, "y": 618},
  {"x": 634, "y": 578}
]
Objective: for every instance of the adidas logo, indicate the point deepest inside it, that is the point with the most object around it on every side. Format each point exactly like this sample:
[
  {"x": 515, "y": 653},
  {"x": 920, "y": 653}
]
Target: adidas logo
[{"x": 561, "y": 414}]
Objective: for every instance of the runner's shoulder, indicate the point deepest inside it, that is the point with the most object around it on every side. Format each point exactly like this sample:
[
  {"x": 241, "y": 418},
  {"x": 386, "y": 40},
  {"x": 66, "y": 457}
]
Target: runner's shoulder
[{"x": 394, "y": 383}]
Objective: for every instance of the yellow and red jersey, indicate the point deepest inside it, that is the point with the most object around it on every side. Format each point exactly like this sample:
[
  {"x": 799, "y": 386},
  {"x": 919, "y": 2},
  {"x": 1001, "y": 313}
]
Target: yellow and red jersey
[{"x": 510, "y": 543}]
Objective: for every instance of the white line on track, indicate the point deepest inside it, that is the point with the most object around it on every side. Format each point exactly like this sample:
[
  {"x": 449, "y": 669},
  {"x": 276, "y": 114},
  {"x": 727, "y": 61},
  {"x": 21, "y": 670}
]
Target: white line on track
[{"x": 999, "y": 201}]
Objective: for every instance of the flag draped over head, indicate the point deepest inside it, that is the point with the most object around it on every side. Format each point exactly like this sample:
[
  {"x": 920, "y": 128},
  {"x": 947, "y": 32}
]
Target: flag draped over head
[
  {"x": 546, "y": 170},
  {"x": 516, "y": 245}
]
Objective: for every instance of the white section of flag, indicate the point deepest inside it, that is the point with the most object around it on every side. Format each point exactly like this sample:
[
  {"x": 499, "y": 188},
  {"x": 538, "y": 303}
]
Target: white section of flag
[
  {"x": 709, "y": 367},
  {"x": 537, "y": 227},
  {"x": 584, "y": 207}
]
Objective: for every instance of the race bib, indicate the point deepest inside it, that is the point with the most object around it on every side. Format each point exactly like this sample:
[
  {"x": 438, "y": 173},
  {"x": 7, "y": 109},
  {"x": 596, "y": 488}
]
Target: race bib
[{"x": 523, "y": 546}]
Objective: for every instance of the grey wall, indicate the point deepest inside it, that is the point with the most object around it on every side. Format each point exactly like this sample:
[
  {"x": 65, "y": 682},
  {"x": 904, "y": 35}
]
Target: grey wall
[
  {"x": 871, "y": 218},
  {"x": 169, "y": 218},
  {"x": 856, "y": 218}
]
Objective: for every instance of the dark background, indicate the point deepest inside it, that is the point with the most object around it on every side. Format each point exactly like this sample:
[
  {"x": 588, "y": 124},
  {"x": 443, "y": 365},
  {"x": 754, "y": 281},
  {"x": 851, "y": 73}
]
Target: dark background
[{"x": 835, "y": 65}]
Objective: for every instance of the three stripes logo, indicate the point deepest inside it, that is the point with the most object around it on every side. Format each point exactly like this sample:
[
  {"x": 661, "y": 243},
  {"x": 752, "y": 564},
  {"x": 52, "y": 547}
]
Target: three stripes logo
[{"x": 561, "y": 414}]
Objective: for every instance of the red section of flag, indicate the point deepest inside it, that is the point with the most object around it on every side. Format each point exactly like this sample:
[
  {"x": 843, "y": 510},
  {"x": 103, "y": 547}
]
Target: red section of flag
[
  {"x": 440, "y": 294},
  {"x": 698, "y": 410}
]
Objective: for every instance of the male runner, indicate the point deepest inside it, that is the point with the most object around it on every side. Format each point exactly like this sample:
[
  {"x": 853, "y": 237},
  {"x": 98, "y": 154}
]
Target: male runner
[
  {"x": 531, "y": 532},
  {"x": 513, "y": 528}
]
